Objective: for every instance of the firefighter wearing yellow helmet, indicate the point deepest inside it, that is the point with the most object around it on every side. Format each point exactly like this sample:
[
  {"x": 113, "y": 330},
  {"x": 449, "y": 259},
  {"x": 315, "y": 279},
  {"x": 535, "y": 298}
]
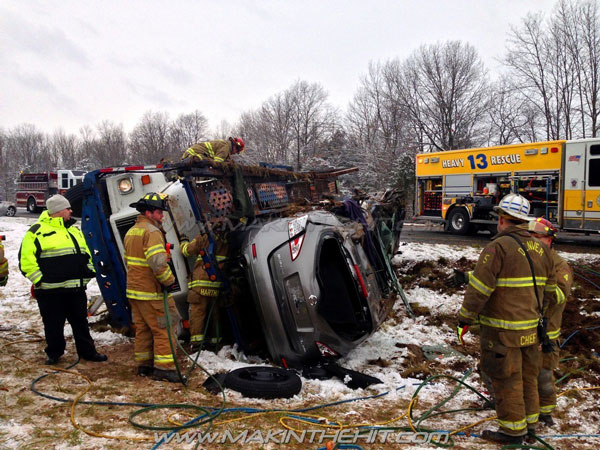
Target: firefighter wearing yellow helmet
[{"x": 148, "y": 275}]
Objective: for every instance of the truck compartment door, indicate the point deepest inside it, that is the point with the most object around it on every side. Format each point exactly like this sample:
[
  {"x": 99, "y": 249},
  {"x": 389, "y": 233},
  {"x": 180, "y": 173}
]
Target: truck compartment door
[
  {"x": 574, "y": 185},
  {"x": 591, "y": 207}
]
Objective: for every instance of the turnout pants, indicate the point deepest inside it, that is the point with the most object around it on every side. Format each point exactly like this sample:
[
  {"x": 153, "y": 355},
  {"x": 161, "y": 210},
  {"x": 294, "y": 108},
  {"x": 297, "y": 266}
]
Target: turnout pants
[
  {"x": 546, "y": 386},
  {"x": 199, "y": 307},
  {"x": 152, "y": 347},
  {"x": 55, "y": 308},
  {"x": 514, "y": 375}
]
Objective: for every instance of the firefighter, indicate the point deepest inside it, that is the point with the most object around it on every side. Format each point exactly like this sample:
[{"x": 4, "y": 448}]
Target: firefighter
[
  {"x": 3, "y": 267},
  {"x": 148, "y": 276},
  {"x": 205, "y": 283},
  {"x": 545, "y": 231},
  {"x": 219, "y": 150},
  {"x": 55, "y": 258},
  {"x": 501, "y": 296}
]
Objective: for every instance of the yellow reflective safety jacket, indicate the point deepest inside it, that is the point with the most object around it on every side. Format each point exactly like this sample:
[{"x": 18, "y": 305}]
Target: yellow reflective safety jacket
[
  {"x": 54, "y": 255},
  {"x": 3, "y": 263},
  {"x": 200, "y": 281},
  {"x": 564, "y": 280},
  {"x": 500, "y": 292},
  {"x": 218, "y": 150},
  {"x": 147, "y": 261}
]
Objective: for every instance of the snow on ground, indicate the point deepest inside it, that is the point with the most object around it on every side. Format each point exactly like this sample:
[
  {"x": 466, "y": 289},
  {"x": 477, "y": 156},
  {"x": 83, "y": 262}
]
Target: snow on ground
[{"x": 387, "y": 345}]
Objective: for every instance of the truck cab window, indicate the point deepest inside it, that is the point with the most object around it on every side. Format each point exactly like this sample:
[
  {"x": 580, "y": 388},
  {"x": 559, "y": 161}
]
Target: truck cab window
[{"x": 594, "y": 172}]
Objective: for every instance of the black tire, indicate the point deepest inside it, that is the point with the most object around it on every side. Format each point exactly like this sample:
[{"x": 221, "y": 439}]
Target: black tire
[
  {"x": 31, "y": 206},
  {"x": 458, "y": 221},
  {"x": 75, "y": 197},
  {"x": 11, "y": 211},
  {"x": 264, "y": 382}
]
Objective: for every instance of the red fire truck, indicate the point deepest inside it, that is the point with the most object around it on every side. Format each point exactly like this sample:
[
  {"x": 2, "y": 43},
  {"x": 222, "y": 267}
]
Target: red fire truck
[{"x": 33, "y": 189}]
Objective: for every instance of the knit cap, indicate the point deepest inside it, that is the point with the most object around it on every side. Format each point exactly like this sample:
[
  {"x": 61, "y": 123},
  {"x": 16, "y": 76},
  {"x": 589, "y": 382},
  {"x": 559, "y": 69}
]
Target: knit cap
[{"x": 57, "y": 203}]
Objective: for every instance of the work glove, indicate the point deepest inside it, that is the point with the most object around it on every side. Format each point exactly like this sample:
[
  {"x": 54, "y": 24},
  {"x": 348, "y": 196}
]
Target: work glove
[
  {"x": 3, "y": 280},
  {"x": 457, "y": 279},
  {"x": 32, "y": 291},
  {"x": 461, "y": 329}
]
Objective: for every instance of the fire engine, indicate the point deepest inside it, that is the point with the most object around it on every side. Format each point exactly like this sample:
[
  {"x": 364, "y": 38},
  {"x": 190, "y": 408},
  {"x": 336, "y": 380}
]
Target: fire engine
[
  {"x": 560, "y": 178},
  {"x": 33, "y": 189}
]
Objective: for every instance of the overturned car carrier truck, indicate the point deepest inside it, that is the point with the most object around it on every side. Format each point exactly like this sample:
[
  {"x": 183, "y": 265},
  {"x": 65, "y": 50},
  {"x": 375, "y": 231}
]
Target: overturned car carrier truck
[{"x": 310, "y": 282}]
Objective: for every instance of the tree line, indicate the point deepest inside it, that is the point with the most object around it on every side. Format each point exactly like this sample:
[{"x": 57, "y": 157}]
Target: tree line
[{"x": 441, "y": 97}]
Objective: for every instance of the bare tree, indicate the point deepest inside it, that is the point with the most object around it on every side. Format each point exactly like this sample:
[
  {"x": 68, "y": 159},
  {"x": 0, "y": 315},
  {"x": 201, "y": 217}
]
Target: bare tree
[
  {"x": 312, "y": 118},
  {"x": 290, "y": 126},
  {"x": 111, "y": 145},
  {"x": 224, "y": 130},
  {"x": 149, "y": 140},
  {"x": 445, "y": 89},
  {"x": 186, "y": 130},
  {"x": 588, "y": 64},
  {"x": 67, "y": 149}
]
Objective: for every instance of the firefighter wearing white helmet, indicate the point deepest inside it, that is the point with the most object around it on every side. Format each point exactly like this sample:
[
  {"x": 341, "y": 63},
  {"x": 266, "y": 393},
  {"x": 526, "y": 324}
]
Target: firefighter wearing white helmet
[{"x": 501, "y": 296}]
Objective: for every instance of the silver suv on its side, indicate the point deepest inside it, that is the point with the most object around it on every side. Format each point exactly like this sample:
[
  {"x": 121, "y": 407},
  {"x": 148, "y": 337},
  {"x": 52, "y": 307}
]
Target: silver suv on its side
[{"x": 315, "y": 290}]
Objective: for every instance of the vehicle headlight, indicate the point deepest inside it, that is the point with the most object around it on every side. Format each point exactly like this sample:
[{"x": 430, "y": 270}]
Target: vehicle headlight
[{"x": 125, "y": 185}]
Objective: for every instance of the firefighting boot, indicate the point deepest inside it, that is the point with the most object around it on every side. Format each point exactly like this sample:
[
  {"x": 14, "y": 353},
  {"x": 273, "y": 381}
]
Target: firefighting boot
[
  {"x": 501, "y": 438},
  {"x": 547, "y": 420},
  {"x": 168, "y": 375},
  {"x": 145, "y": 371}
]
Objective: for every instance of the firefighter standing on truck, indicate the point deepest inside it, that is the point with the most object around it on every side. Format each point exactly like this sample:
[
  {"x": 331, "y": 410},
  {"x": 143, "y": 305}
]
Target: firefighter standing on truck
[
  {"x": 546, "y": 232},
  {"x": 500, "y": 294},
  {"x": 219, "y": 150},
  {"x": 205, "y": 283},
  {"x": 148, "y": 276}
]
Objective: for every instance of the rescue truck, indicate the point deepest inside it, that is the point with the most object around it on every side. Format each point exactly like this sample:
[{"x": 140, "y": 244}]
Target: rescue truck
[
  {"x": 560, "y": 178},
  {"x": 33, "y": 189}
]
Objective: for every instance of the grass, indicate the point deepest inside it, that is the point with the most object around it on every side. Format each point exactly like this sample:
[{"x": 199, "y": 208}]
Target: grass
[{"x": 24, "y": 400}]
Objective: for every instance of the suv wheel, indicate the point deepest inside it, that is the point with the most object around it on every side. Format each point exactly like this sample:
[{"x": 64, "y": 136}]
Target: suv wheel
[
  {"x": 11, "y": 211},
  {"x": 264, "y": 382}
]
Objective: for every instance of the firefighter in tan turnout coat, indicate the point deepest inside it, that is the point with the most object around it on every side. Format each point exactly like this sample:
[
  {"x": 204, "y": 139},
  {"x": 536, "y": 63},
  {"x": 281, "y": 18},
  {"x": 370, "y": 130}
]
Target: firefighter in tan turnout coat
[
  {"x": 148, "y": 275},
  {"x": 219, "y": 150},
  {"x": 204, "y": 285},
  {"x": 546, "y": 232},
  {"x": 500, "y": 294}
]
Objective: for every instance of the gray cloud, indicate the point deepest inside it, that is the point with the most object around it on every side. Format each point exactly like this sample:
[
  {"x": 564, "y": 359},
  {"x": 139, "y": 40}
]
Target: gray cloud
[
  {"x": 174, "y": 72},
  {"x": 40, "y": 39},
  {"x": 40, "y": 83},
  {"x": 157, "y": 97}
]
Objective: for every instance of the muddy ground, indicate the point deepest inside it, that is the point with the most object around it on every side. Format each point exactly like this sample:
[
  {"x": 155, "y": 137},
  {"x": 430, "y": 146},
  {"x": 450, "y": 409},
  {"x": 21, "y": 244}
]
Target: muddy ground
[{"x": 48, "y": 423}]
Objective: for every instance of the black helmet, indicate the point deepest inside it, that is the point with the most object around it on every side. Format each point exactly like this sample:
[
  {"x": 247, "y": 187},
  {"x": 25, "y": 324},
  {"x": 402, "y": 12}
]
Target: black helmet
[{"x": 151, "y": 201}]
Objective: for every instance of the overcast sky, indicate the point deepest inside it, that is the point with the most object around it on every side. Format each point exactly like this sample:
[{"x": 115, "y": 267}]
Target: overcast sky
[{"x": 70, "y": 63}]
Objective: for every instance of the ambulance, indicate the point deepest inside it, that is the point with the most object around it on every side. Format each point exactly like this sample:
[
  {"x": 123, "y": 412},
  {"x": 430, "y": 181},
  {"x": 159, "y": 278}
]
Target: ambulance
[{"x": 561, "y": 179}]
